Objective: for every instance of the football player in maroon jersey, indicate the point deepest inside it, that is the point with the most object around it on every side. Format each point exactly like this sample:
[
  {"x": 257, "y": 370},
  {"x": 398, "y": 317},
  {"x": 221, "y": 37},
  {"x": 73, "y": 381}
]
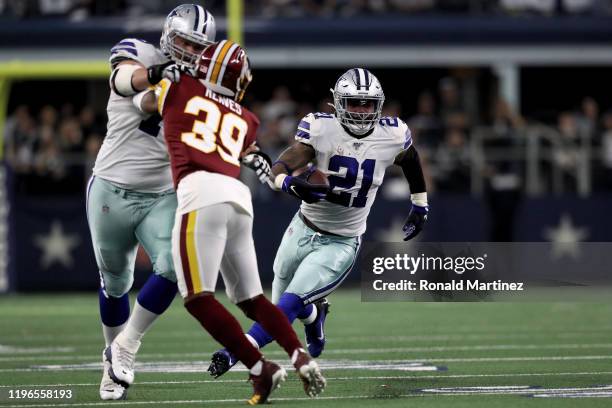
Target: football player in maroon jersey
[{"x": 208, "y": 132}]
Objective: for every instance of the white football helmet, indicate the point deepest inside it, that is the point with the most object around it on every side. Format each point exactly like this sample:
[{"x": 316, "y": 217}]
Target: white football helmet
[
  {"x": 191, "y": 23},
  {"x": 355, "y": 87}
]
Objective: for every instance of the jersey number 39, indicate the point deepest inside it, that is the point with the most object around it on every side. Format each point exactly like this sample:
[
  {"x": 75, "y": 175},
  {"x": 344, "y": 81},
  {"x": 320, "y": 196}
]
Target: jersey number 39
[{"x": 219, "y": 132}]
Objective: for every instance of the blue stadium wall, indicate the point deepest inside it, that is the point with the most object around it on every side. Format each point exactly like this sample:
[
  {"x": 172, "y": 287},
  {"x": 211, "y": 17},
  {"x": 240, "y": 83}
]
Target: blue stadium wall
[{"x": 50, "y": 247}]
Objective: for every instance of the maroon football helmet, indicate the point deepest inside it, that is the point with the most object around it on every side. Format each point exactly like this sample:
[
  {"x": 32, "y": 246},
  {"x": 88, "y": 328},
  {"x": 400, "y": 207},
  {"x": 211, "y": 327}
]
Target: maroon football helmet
[{"x": 226, "y": 68}]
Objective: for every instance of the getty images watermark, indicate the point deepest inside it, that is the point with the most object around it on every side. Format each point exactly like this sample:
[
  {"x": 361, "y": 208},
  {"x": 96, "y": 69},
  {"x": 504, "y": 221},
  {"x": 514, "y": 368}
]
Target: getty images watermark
[
  {"x": 414, "y": 264},
  {"x": 481, "y": 271}
]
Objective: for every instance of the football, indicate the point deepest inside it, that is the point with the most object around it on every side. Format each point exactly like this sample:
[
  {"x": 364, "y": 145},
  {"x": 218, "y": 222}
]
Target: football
[{"x": 317, "y": 177}]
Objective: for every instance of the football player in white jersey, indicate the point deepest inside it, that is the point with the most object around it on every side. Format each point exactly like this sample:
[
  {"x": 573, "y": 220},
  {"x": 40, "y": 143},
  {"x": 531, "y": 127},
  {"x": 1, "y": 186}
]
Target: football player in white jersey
[
  {"x": 130, "y": 197},
  {"x": 353, "y": 148}
]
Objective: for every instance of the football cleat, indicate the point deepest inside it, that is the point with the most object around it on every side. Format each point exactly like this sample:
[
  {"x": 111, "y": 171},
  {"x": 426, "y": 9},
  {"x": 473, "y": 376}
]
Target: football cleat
[
  {"x": 263, "y": 384},
  {"x": 315, "y": 335},
  {"x": 110, "y": 390},
  {"x": 122, "y": 355},
  {"x": 310, "y": 374},
  {"x": 220, "y": 363}
]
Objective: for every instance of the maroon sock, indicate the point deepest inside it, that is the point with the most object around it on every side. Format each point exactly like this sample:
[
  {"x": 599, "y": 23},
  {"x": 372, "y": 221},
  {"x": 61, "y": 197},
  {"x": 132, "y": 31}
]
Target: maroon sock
[
  {"x": 273, "y": 320},
  {"x": 223, "y": 327}
]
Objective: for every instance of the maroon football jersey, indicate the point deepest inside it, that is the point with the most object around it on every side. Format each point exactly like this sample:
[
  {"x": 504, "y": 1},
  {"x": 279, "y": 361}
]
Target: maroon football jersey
[{"x": 204, "y": 130}]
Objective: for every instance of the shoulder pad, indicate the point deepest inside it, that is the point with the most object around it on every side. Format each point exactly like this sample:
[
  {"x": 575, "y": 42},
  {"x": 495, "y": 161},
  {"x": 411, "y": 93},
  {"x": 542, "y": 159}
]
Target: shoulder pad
[
  {"x": 322, "y": 115},
  {"x": 137, "y": 50},
  {"x": 304, "y": 128}
]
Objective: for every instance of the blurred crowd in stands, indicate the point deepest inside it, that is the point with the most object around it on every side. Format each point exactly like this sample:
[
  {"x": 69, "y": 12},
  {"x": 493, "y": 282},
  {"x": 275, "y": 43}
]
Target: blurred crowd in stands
[
  {"x": 53, "y": 149},
  {"x": 80, "y": 9}
]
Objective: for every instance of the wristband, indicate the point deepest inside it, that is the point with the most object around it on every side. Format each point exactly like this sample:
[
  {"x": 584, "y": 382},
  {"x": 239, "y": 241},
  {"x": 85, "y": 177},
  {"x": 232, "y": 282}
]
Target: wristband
[
  {"x": 278, "y": 181},
  {"x": 419, "y": 199}
]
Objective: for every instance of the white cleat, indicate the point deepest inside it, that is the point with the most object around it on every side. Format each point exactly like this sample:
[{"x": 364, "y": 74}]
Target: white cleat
[
  {"x": 310, "y": 374},
  {"x": 122, "y": 355},
  {"x": 313, "y": 380},
  {"x": 110, "y": 390}
]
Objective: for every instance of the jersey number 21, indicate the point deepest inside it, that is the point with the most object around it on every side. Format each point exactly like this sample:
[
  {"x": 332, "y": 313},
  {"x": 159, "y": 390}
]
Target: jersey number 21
[{"x": 352, "y": 167}]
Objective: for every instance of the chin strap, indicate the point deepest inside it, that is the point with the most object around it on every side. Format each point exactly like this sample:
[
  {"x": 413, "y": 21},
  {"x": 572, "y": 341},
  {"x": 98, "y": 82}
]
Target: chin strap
[{"x": 356, "y": 136}]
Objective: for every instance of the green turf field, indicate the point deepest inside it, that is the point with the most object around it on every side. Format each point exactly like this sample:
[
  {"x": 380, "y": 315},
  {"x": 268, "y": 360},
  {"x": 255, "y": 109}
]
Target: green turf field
[{"x": 378, "y": 354}]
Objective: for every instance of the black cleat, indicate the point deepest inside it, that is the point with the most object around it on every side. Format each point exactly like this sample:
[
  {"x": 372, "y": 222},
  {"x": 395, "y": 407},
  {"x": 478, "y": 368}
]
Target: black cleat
[
  {"x": 221, "y": 362},
  {"x": 315, "y": 333}
]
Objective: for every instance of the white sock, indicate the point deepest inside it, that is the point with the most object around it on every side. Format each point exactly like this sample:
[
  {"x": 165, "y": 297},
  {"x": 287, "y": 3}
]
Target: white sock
[
  {"x": 139, "y": 323},
  {"x": 256, "y": 369},
  {"x": 111, "y": 332},
  {"x": 311, "y": 318}
]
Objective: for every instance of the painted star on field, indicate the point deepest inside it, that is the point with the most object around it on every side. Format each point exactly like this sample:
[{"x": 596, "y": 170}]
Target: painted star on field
[
  {"x": 57, "y": 246},
  {"x": 565, "y": 238}
]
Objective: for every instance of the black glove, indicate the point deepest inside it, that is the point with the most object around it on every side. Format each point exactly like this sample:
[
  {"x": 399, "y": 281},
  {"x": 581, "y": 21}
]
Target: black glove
[
  {"x": 415, "y": 222},
  {"x": 170, "y": 70},
  {"x": 299, "y": 187}
]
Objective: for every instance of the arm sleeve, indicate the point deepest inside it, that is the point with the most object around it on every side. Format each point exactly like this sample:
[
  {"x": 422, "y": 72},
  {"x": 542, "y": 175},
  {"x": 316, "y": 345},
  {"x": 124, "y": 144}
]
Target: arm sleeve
[
  {"x": 137, "y": 99},
  {"x": 410, "y": 163}
]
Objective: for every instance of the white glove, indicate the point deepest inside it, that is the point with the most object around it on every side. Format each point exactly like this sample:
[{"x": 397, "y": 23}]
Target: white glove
[
  {"x": 172, "y": 72},
  {"x": 169, "y": 70},
  {"x": 259, "y": 162}
]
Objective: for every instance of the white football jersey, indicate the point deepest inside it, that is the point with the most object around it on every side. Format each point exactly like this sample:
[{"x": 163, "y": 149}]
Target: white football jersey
[
  {"x": 133, "y": 154},
  {"x": 355, "y": 169}
]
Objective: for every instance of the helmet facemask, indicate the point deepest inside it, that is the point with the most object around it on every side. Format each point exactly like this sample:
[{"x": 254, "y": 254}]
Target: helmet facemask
[
  {"x": 243, "y": 81},
  {"x": 358, "y": 100},
  {"x": 358, "y": 121},
  {"x": 180, "y": 54}
]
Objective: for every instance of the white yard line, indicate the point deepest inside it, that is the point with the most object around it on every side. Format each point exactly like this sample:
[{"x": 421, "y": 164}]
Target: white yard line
[
  {"x": 464, "y": 333},
  {"x": 470, "y": 337},
  {"x": 6, "y": 349},
  {"x": 383, "y": 377},
  {"x": 381, "y": 364},
  {"x": 167, "y": 367},
  {"x": 351, "y": 351}
]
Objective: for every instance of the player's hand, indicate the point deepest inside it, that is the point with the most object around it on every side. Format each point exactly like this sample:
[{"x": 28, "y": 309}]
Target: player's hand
[
  {"x": 168, "y": 70},
  {"x": 298, "y": 186},
  {"x": 261, "y": 164},
  {"x": 415, "y": 222}
]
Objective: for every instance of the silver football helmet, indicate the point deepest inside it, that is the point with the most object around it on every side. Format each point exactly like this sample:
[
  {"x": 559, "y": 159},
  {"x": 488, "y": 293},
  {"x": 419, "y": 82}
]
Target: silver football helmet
[
  {"x": 191, "y": 23},
  {"x": 358, "y": 87}
]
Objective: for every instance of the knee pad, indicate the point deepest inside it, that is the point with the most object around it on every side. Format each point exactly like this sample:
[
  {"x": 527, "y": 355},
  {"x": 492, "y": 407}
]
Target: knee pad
[
  {"x": 116, "y": 285},
  {"x": 164, "y": 266}
]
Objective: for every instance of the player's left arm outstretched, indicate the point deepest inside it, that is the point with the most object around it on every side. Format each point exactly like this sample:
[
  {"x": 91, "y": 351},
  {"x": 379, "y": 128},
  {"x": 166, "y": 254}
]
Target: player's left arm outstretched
[{"x": 408, "y": 159}]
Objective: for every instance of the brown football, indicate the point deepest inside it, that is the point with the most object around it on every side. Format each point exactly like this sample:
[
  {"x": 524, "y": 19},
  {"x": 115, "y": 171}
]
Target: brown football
[{"x": 318, "y": 178}]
